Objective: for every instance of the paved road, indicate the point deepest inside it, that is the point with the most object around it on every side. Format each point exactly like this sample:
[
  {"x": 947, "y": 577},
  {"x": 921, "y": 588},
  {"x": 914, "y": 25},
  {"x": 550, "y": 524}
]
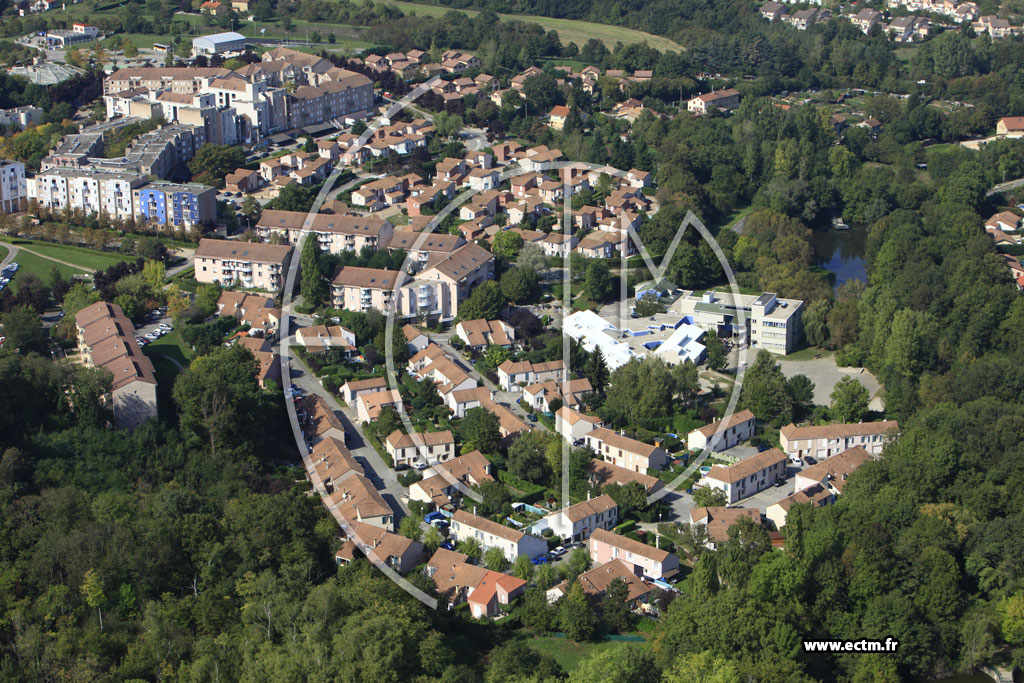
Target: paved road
[
  {"x": 188, "y": 254},
  {"x": 377, "y": 471},
  {"x": 1002, "y": 187},
  {"x": 12, "y": 251}
]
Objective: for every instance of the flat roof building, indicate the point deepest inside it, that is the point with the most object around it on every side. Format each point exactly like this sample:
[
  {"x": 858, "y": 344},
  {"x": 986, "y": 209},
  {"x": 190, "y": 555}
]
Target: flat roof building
[
  {"x": 218, "y": 44},
  {"x": 771, "y": 323}
]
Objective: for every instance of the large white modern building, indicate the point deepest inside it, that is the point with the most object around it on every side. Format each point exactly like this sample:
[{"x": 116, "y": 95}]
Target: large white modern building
[{"x": 668, "y": 336}]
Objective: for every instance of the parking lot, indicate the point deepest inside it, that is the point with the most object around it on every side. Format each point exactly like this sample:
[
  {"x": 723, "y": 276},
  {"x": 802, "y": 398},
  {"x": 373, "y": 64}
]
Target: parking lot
[
  {"x": 155, "y": 325},
  {"x": 7, "y": 273}
]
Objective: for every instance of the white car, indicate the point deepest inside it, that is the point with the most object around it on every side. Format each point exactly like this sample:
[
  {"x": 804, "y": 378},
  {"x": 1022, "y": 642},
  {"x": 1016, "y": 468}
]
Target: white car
[{"x": 796, "y": 462}]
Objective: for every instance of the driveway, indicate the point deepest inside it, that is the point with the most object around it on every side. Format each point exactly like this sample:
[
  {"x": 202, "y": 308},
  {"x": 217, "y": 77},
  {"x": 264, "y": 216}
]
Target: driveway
[
  {"x": 377, "y": 471},
  {"x": 826, "y": 374}
]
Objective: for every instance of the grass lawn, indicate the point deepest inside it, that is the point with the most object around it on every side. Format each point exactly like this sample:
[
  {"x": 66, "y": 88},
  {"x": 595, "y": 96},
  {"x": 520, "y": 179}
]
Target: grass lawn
[
  {"x": 41, "y": 268},
  {"x": 170, "y": 346},
  {"x": 80, "y": 256},
  {"x": 165, "y": 352},
  {"x": 569, "y": 654},
  {"x": 3, "y": 252}
]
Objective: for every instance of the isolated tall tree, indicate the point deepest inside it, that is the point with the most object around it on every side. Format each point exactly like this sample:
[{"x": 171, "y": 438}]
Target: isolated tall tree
[
  {"x": 313, "y": 285},
  {"x": 92, "y": 591},
  {"x": 849, "y": 400},
  {"x": 575, "y": 614},
  {"x": 596, "y": 370}
]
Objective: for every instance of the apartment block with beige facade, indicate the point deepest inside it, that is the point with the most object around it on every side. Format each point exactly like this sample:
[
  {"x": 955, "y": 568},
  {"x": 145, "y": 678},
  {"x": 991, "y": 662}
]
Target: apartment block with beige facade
[
  {"x": 106, "y": 339},
  {"x": 250, "y": 265},
  {"x": 335, "y": 233},
  {"x": 434, "y": 293},
  {"x": 824, "y": 441}
]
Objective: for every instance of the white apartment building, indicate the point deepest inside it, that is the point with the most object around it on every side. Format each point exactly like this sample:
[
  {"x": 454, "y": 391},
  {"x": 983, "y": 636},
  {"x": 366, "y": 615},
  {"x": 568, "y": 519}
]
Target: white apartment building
[
  {"x": 490, "y": 534},
  {"x": 23, "y": 117},
  {"x": 824, "y": 441},
  {"x": 749, "y": 476},
  {"x": 772, "y": 324},
  {"x": 578, "y": 521},
  {"x": 86, "y": 189},
  {"x": 13, "y": 188}
]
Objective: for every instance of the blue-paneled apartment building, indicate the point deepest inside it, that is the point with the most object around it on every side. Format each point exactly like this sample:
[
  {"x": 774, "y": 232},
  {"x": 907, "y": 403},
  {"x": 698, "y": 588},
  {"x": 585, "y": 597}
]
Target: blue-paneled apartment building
[{"x": 173, "y": 204}]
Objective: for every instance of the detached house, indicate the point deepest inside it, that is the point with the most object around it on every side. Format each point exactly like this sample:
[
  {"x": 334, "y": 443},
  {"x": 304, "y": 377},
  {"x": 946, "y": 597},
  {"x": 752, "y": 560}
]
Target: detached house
[
  {"x": 723, "y": 99},
  {"x": 578, "y": 521},
  {"x": 644, "y": 560},
  {"x": 625, "y": 452},
  {"x": 478, "y": 334},
  {"x": 574, "y": 425},
  {"x": 724, "y": 434},
  {"x": 596, "y": 582},
  {"x": 490, "y": 534},
  {"x": 353, "y": 389},
  {"x": 833, "y": 473},
  {"x": 718, "y": 520},
  {"x": 511, "y": 374},
  {"x": 368, "y": 406},
  {"x": 541, "y": 395},
  {"x": 749, "y": 476},
  {"x": 469, "y": 470},
  {"x": 398, "y": 552}
]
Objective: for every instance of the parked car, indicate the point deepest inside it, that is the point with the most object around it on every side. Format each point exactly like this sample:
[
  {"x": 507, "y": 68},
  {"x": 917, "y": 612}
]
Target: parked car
[
  {"x": 797, "y": 462},
  {"x": 540, "y": 559},
  {"x": 810, "y": 461},
  {"x": 780, "y": 483},
  {"x": 448, "y": 545},
  {"x": 430, "y": 517},
  {"x": 559, "y": 551}
]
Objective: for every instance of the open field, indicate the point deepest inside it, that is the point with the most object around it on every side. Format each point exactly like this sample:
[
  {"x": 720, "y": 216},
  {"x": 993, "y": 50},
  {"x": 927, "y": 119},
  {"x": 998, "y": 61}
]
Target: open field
[
  {"x": 567, "y": 653},
  {"x": 169, "y": 355},
  {"x": 80, "y": 256},
  {"x": 354, "y": 37},
  {"x": 41, "y": 268},
  {"x": 569, "y": 30}
]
